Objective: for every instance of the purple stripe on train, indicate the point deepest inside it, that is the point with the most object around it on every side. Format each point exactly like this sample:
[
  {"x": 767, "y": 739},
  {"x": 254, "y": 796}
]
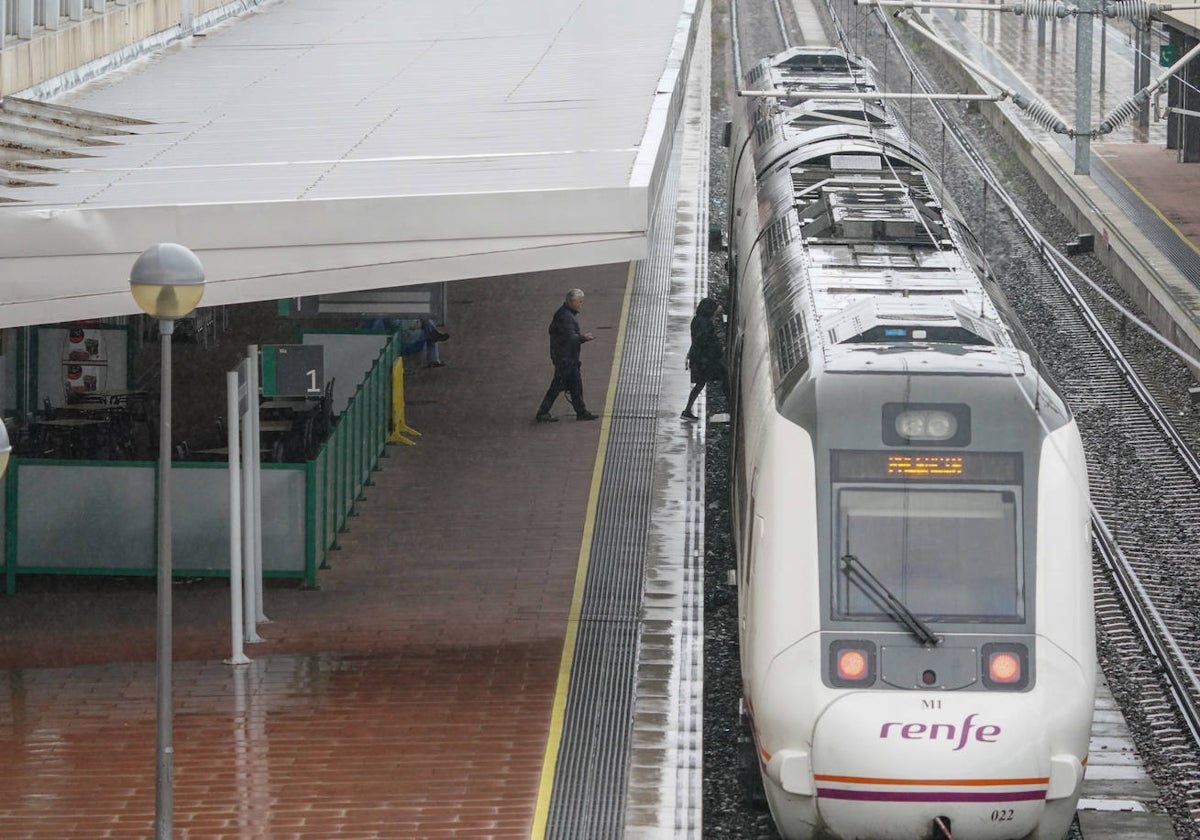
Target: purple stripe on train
[{"x": 932, "y": 796}]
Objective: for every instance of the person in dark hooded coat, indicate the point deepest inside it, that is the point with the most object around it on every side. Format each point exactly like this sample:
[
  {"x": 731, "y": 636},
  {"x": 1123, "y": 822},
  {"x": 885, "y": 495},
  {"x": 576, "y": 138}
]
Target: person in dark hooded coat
[{"x": 706, "y": 356}]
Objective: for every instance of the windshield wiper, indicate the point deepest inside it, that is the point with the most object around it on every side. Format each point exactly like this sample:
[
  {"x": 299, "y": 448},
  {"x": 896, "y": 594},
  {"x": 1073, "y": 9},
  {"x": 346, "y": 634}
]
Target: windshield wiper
[{"x": 893, "y": 606}]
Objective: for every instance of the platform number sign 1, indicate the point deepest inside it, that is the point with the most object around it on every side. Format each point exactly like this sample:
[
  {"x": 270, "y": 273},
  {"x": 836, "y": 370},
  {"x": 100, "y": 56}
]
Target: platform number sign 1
[{"x": 293, "y": 370}]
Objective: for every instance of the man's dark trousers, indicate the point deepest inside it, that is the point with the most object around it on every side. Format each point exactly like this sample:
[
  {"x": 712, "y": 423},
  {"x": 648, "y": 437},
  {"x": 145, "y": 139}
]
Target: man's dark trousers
[{"x": 567, "y": 377}]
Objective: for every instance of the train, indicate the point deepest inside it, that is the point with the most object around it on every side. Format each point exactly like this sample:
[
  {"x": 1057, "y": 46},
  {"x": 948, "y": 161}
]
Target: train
[{"x": 909, "y": 498}]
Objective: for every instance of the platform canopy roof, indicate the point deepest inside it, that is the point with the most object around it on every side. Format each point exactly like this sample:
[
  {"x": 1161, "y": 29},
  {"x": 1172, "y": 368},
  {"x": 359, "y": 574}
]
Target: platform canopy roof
[{"x": 309, "y": 147}]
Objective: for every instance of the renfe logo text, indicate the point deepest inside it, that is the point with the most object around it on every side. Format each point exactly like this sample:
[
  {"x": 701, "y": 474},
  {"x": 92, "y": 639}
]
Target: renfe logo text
[{"x": 961, "y": 733}]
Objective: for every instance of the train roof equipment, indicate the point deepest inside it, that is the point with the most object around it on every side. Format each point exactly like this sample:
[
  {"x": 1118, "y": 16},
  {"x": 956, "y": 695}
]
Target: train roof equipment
[{"x": 856, "y": 221}]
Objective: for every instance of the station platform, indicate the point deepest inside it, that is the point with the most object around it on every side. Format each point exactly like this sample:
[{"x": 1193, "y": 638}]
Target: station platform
[{"x": 508, "y": 641}]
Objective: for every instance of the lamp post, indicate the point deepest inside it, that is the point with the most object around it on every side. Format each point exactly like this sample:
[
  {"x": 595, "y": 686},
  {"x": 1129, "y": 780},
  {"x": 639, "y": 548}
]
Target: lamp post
[{"x": 167, "y": 281}]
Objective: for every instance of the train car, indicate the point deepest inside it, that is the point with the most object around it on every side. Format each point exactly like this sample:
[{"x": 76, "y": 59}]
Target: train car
[{"x": 910, "y": 498}]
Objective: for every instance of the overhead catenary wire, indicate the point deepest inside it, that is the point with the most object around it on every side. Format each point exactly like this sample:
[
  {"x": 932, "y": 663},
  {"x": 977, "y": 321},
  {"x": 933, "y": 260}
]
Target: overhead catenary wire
[
  {"x": 1037, "y": 111},
  {"x": 1032, "y": 8},
  {"x": 794, "y": 93}
]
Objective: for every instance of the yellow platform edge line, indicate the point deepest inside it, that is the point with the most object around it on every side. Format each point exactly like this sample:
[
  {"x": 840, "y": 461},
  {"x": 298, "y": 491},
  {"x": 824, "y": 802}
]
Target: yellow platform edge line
[
  {"x": 541, "y": 811},
  {"x": 1182, "y": 237}
]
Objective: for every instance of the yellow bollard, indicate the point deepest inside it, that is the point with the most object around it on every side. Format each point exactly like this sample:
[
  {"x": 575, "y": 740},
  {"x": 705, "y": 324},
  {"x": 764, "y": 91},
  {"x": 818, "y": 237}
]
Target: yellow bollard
[{"x": 399, "y": 427}]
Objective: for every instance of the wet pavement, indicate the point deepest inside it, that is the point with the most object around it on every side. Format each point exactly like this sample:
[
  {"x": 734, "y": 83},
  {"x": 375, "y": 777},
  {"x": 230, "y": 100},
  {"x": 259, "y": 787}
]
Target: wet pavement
[{"x": 410, "y": 696}]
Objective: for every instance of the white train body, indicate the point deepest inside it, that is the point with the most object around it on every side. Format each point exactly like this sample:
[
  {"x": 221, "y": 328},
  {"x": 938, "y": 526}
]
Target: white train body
[{"x": 887, "y": 419}]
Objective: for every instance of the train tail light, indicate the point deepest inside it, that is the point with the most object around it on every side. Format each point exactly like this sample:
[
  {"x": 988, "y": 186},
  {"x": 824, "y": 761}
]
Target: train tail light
[
  {"x": 1005, "y": 666},
  {"x": 852, "y": 664}
]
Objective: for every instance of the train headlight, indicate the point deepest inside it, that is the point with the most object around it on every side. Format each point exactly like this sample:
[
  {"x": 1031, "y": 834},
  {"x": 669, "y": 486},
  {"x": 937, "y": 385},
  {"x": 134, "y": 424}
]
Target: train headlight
[
  {"x": 926, "y": 424},
  {"x": 947, "y": 424},
  {"x": 1005, "y": 666},
  {"x": 852, "y": 663}
]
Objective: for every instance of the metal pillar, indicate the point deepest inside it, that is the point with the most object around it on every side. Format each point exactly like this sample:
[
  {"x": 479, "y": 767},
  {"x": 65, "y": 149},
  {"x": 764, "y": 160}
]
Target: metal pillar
[
  {"x": 1141, "y": 72},
  {"x": 1083, "y": 87},
  {"x": 164, "y": 775}
]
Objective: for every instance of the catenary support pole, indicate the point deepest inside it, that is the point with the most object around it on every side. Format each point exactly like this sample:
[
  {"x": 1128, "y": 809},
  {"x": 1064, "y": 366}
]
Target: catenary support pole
[{"x": 1083, "y": 87}]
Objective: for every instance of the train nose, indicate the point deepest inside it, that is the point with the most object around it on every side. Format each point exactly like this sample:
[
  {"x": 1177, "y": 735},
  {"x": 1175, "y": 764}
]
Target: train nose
[{"x": 886, "y": 765}]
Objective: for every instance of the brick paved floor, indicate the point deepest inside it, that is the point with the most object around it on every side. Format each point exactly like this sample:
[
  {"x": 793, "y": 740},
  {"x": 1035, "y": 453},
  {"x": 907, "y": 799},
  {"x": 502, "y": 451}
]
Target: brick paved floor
[
  {"x": 1170, "y": 187},
  {"x": 409, "y": 697}
]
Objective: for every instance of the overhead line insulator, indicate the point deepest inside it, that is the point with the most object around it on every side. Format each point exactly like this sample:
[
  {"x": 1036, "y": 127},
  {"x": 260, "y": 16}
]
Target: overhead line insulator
[
  {"x": 1041, "y": 114},
  {"x": 1133, "y": 9},
  {"x": 1123, "y": 112},
  {"x": 1044, "y": 9}
]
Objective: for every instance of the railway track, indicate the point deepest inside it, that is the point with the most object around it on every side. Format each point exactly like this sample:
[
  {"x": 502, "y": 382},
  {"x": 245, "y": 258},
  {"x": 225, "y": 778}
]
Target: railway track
[{"x": 1144, "y": 475}]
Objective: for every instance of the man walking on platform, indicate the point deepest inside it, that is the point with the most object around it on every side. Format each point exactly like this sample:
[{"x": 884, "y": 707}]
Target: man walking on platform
[{"x": 565, "y": 340}]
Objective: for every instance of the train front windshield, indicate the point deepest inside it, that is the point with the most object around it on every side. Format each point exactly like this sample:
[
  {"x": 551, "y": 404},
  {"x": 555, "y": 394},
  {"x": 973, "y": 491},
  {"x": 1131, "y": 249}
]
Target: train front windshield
[{"x": 947, "y": 554}]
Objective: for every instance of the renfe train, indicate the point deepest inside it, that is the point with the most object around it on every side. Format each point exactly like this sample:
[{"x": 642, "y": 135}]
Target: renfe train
[{"x": 910, "y": 496}]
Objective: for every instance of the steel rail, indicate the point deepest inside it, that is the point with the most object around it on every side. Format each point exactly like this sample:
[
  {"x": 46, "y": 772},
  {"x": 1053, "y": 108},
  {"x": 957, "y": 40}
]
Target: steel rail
[
  {"x": 1150, "y": 627},
  {"x": 787, "y": 42},
  {"x": 735, "y": 43}
]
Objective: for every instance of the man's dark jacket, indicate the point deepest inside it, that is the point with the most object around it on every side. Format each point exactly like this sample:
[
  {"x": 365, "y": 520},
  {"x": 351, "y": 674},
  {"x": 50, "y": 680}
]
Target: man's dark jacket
[{"x": 565, "y": 338}]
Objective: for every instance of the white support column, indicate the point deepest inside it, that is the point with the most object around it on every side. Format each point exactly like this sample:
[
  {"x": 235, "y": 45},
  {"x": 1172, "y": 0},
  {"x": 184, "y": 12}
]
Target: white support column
[
  {"x": 3, "y": 23},
  {"x": 237, "y": 653},
  {"x": 50, "y": 14},
  {"x": 249, "y": 462},
  {"x": 75, "y": 9},
  {"x": 98, "y": 6},
  {"x": 25, "y": 19},
  {"x": 186, "y": 17},
  {"x": 253, "y": 414}
]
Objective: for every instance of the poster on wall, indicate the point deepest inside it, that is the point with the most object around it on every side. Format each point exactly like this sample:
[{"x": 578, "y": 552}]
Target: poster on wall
[
  {"x": 85, "y": 361},
  {"x": 68, "y": 365}
]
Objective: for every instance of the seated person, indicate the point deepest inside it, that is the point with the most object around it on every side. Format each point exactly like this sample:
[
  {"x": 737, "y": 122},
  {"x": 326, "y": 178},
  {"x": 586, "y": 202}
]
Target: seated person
[{"x": 421, "y": 333}]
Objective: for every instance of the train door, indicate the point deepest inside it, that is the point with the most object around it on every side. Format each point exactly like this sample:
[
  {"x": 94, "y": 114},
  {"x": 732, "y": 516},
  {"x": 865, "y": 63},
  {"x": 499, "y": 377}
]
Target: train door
[
  {"x": 737, "y": 455},
  {"x": 751, "y": 530}
]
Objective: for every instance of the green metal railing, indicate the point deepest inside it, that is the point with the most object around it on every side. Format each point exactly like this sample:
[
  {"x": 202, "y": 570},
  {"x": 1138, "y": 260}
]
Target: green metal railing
[
  {"x": 53, "y": 513},
  {"x": 344, "y": 463}
]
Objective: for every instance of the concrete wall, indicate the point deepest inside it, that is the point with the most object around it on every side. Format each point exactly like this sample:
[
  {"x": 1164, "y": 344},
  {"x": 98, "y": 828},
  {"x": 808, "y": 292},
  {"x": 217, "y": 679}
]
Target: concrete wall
[
  {"x": 107, "y": 40},
  {"x": 51, "y": 53}
]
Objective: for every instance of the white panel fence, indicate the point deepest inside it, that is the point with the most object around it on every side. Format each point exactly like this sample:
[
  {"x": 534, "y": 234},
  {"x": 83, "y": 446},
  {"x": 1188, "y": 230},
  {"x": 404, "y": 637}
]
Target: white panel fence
[{"x": 21, "y": 18}]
